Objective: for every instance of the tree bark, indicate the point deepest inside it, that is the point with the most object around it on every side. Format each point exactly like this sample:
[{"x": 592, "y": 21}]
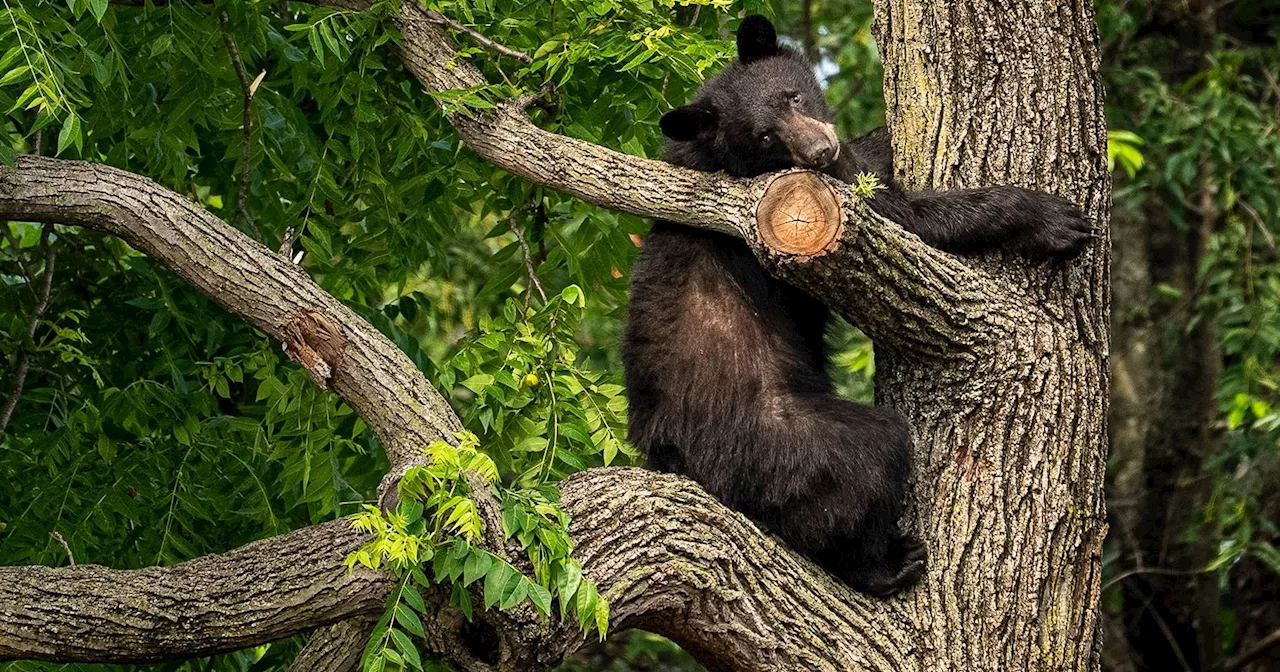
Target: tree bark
[
  {"x": 1001, "y": 369},
  {"x": 265, "y": 591},
  {"x": 1011, "y": 445}
]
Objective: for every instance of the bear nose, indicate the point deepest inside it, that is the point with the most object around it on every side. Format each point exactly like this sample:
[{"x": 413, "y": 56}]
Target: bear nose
[
  {"x": 822, "y": 155},
  {"x": 818, "y": 155}
]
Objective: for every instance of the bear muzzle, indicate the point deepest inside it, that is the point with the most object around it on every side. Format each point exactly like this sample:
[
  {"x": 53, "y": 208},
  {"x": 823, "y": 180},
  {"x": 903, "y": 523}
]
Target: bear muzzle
[{"x": 812, "y": 143}]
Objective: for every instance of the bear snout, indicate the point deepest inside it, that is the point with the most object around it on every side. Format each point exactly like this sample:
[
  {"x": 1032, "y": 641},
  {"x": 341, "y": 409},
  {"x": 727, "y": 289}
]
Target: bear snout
[
  {"x": 812, "y": 143},
  {"x": 820, "y": 155}
]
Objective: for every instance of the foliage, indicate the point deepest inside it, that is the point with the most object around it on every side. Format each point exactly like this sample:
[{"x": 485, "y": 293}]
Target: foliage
[
  {"x": 154, "y": 428},
  {"x": 1199, "y": 97},
  {"x": 1212, "y": 154},
  {"x": 519, "y": 371},
  {"x": 437, "y": 522}
]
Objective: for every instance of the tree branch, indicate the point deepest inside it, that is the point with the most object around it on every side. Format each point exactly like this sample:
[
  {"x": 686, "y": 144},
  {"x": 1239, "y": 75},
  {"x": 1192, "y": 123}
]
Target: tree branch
[
  {"x": 248, "y": 88},
  {"x": 481, "y": 39},
  {"x": 668, "y": 557},
  {"x": 338, "y": 348},
  {"x": 1252, "y": 653},
  {"x": 335, "y": 648},
  {"x": 258, "y": 593},
  {"x": 947, "y": 306}
]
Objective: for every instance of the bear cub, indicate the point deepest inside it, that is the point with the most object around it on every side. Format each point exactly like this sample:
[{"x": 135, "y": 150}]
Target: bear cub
[{"x": 726, "y": 369}]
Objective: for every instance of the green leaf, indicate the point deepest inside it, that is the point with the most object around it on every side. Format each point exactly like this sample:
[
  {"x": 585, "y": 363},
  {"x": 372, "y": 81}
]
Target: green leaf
[
  {"x": 10, "y": 57},
  {"x": 478, "y": 382},
  {"x": 98, "y": 8},
  {"x": 409, "y": 620},
  {"x": 14, "y": 74},
  {"x": 567, "y": 583},
  {"x": 70, "y": 133},
  {"x": 541, "y": 598},
  {"x": 477, "y": 565},
  {"x": 602, "y": 618},
  {"x": 514, "y": 591},
  {"x": 494, "y": 581},
  {"x": 413, "y": 598},
  {"x": 406, "y": 646},
  {"x": 411, "y": 509},
  {"x": 317, "y": 48}
]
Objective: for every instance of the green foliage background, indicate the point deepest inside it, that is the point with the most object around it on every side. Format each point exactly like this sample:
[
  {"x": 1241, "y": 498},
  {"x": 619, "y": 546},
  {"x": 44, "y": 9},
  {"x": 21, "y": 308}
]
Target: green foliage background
[{"x": 154, "y": 427}]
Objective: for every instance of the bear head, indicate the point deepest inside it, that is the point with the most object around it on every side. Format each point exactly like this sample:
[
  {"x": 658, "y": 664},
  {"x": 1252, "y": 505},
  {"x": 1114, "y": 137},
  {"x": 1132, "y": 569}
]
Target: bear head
[{"x": 764, "y": 112}]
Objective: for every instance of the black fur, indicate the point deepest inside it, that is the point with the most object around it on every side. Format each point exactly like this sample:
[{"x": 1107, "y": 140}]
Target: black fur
[{"x": 726, "y": 367}]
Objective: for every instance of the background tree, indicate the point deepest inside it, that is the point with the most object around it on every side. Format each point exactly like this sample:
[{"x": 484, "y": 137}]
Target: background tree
[{"x": 197, "y": 435}]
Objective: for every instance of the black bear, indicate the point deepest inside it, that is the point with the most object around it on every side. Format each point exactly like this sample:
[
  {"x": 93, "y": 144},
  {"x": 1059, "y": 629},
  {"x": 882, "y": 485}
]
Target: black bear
[{"x": 726, "y": 367}]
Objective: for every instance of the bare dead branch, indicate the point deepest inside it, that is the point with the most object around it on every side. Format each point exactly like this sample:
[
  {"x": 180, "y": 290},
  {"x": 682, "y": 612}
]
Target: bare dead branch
[
  {"x": 528, "y": 260},
  {"x": 57, "y": 536}
]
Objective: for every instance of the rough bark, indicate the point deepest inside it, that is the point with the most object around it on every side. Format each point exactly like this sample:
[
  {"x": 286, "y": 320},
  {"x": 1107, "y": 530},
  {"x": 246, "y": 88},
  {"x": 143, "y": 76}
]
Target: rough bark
[
  {"x": 336, "y": 648},
  {"x": 258, "y": 593},
  {"x": 1011, "y": 443},
  {"x": 668, "y": 556}
]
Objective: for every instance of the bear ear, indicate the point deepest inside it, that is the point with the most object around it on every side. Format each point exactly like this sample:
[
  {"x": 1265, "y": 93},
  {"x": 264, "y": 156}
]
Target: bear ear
[
  {"x": 688, "y": 122},
  {"x": 756, "y": 39}
]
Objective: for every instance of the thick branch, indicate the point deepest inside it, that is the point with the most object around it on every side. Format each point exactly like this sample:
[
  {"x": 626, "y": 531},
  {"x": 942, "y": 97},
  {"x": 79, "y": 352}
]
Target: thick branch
[
  {"x": 339, "y": 348},
  {"x": 969, "y": 308},
  {"x": 672, "y": 559},
  {"x": 258, "y": 593},
  {"x": 668, "y": 557},
  {"x": 336, "y": 648}
]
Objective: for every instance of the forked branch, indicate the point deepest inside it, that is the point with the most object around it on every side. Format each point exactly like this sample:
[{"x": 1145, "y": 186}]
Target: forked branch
[
  {"x": 667, "y": 556},
  {"x": 339, "y": 349}
]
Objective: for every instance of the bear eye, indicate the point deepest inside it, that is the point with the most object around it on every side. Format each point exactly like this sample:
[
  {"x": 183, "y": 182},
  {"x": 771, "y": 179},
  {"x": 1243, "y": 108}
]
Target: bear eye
[
  {"x": 796, "y": 99},
  {"x": 766, "y": 139}
]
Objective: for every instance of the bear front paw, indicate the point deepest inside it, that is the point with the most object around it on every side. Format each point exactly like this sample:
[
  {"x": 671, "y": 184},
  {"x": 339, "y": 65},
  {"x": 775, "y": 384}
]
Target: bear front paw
[{"x": 1057, "y": 229}]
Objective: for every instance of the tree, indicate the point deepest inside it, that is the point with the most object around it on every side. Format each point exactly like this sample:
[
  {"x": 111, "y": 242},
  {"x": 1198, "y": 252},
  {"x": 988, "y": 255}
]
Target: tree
[
  {"x": 1001, "y": 368},
  {"x": 1193, "y": 418}
]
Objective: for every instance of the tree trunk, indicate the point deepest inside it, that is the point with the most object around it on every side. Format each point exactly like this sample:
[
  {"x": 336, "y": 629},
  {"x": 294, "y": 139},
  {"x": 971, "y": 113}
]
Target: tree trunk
[
  {"x": 1010, "y": 441},
  {"x": 1174, "y": 617}
]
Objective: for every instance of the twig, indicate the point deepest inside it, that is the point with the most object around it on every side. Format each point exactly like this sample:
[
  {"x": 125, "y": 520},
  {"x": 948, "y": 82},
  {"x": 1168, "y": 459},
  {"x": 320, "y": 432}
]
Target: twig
[
  {"x": 528, "y": 261},
  {"x": 286, "y": 242},
  {"x": 1252, "y": 653},
  {"x": 70, "y": 558},
  {"x": 43, "y": 295},
  {"x": 1266, "y": 233},
  {"x": 484, "y": 41},
  {"x": 249, "y": 88},
  {"x": 1153, "y": 570}
]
